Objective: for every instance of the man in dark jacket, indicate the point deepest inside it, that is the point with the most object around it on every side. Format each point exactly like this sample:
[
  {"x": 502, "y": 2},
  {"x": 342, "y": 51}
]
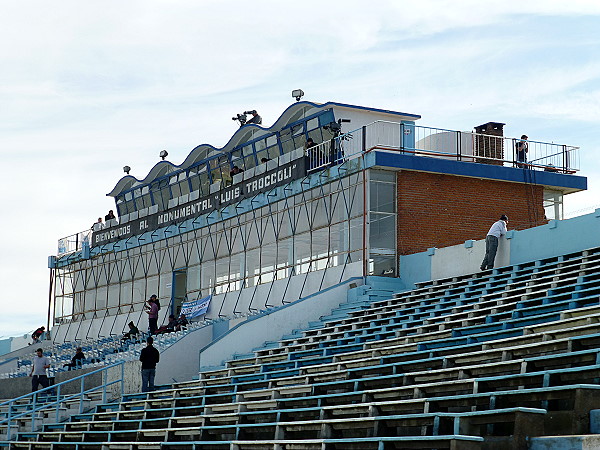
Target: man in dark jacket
[
  {"x": 149, "y": 357},
  {"x": 77, "y": 360}
]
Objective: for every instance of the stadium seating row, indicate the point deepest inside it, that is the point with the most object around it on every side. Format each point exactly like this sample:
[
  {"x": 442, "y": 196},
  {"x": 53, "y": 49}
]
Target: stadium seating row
[{"x": 481, "y": 361}]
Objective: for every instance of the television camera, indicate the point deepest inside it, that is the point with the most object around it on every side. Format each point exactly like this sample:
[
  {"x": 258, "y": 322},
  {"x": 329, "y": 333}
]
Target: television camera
[
  {"x": 336, "y": 127},
  {"x": 243, "y": 118}
]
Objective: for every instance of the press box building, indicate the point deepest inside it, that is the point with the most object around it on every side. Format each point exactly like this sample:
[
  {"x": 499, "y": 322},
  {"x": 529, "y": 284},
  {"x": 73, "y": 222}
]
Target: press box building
[{"x": 296, "y": 220}]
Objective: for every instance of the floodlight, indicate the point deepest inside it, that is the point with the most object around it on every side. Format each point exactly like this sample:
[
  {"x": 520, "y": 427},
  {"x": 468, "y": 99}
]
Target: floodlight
[
  {"x": 297, "y": 94},
  {"x": 126, "y": 169},
  {"x": 163, "y": 154}
]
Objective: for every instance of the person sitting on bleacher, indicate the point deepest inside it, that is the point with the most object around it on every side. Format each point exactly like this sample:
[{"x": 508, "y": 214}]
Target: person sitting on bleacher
[
  {"x": 181, "y": 322},
  {"x": 132, "y": 333},
  {"x": 77, "y": 360},
  {"x": 169, "y": 327}
]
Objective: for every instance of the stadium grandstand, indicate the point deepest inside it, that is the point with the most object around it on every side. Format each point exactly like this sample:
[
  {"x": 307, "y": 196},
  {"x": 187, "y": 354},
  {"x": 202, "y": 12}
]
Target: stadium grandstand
[{"x": 329, "y": 270}]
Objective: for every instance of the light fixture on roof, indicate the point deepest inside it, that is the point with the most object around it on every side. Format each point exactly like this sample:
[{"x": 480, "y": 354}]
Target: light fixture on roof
[
  {"x": 297, "y": 94},
  {"x": 126, "y": 169},
  {"x": 163, "y": 154}
]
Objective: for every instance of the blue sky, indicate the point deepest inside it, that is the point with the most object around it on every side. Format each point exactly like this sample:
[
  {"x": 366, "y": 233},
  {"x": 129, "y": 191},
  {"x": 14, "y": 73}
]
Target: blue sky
[{"x": 87, "y": 87}]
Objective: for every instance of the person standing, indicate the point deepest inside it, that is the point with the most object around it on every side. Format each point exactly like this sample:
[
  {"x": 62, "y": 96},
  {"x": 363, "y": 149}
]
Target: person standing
[
  {"x": 491, "y": 242},
  {"x": 38, "y": 370},
  {"x": 149, "y": 358},
  {"x": 152, "y": 311},
  {"x": 522, "y": 149}
]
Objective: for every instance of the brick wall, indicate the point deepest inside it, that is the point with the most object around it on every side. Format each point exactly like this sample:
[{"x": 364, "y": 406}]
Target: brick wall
[{"x": 437, "y": 210}]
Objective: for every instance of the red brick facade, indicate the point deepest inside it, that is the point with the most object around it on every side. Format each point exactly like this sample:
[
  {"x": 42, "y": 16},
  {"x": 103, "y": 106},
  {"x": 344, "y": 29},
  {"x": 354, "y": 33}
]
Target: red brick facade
[{"x": 438, "y": 210}]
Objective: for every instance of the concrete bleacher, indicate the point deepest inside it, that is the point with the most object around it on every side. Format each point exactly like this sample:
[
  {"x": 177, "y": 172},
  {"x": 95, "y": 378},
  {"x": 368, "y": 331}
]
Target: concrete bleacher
[
  {"x": 502, "y": 359},
  {"x": 98, "y": 352}
]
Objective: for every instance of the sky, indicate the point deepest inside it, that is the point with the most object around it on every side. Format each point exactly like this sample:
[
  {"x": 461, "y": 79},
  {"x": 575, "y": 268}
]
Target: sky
[{"x": 88, "y": 87}]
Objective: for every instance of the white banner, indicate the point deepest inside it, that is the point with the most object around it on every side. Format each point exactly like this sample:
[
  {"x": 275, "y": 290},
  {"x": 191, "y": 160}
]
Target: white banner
[{"x": 195, "y": 308}]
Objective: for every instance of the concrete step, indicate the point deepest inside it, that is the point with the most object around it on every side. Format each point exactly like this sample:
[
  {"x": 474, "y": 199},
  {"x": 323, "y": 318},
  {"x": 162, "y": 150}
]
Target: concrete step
[
  {"x": 242, "y": 355},
  {"x": 266, "y": 345},
  {"x": 395, "y": 284},
  {"x": 576, "y": 442},
  {"x": 351, "y": 306}
]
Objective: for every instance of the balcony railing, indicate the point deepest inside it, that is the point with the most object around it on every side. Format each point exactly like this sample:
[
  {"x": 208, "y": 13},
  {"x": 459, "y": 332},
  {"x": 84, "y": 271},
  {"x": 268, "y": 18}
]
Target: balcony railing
[
  {"x": 415, "y": 140},
  {"x": 74, "y": 243},
  {"x": 457, "y": 145}
]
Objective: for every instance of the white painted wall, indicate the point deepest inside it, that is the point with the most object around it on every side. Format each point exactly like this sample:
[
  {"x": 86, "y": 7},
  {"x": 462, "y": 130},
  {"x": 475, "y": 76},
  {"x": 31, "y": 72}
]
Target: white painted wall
[
  {"x": 182, "y": 360},
  {"x": 459, "y": 259},
  {"x": 272, "y": 326}
]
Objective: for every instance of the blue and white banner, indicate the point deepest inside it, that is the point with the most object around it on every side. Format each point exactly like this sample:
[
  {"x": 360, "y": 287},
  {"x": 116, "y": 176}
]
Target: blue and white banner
[{"x": 195, "y": 308}]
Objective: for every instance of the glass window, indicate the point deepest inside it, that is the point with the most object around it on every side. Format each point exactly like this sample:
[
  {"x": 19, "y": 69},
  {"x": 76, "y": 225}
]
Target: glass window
[
  {"x": 260, "y": 145},
  {"x": 383, "y": 175},
  {"x": 146, "y": 200},
  {"x": 268, "y": 153},
  {"x": 199, "y": 179},
  {"x": 553, "y": 204},
  {"x": 184, "y": 185},
  {"x": 248, "y": 155},
  {"x": 312, "y": 124},
  {"x": 326, "y": 118},
  {"x": 161, "y": 193},
  {"x": 249, "y": 161},
  {"x": 316, "y": 135},
  {"x": 300, "y": 141},
  {"x": 382, "y": 266},
  {"x": 327, "y": 134},
  {"x": 382, "y": 197},
  {"x": 382, "y": 230},
  {"x": 287, "y": 143},
  {"x": 220, "y": 169}
]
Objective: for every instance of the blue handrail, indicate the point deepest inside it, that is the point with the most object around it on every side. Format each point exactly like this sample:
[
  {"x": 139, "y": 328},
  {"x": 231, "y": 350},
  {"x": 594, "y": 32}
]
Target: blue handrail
[{"x": 36, "y": 403}]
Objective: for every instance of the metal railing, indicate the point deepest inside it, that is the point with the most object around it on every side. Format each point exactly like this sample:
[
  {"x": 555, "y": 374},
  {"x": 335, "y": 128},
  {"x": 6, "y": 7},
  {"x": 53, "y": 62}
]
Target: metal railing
[
  {"x": 50, "y": 400},
  {"x": 458, "y": 145},
  {"x": 74, "y": 243},
  {"x": 420, "y": 141}
]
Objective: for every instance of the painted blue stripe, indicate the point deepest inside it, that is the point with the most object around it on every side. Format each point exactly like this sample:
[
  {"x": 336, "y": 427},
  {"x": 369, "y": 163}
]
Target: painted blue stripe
[{"x": 476, "y": 170}]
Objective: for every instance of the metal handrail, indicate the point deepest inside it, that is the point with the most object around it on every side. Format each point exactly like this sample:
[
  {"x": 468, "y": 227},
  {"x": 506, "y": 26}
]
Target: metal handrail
[
  {"x": 418, "y": 140},
  {"x": 38, "y": 405},
  {"x": 74, "y": 242}
]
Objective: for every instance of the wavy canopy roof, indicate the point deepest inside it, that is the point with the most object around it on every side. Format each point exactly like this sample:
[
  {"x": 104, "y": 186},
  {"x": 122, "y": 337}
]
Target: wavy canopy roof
[{"x": 244, "y": 134}]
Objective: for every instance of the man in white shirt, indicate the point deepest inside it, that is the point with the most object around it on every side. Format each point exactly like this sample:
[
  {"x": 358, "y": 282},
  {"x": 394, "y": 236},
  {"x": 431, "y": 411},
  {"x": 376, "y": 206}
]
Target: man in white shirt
[
  {"x": 38, "y": 370},
  {"x": 491, "y": 242}
]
